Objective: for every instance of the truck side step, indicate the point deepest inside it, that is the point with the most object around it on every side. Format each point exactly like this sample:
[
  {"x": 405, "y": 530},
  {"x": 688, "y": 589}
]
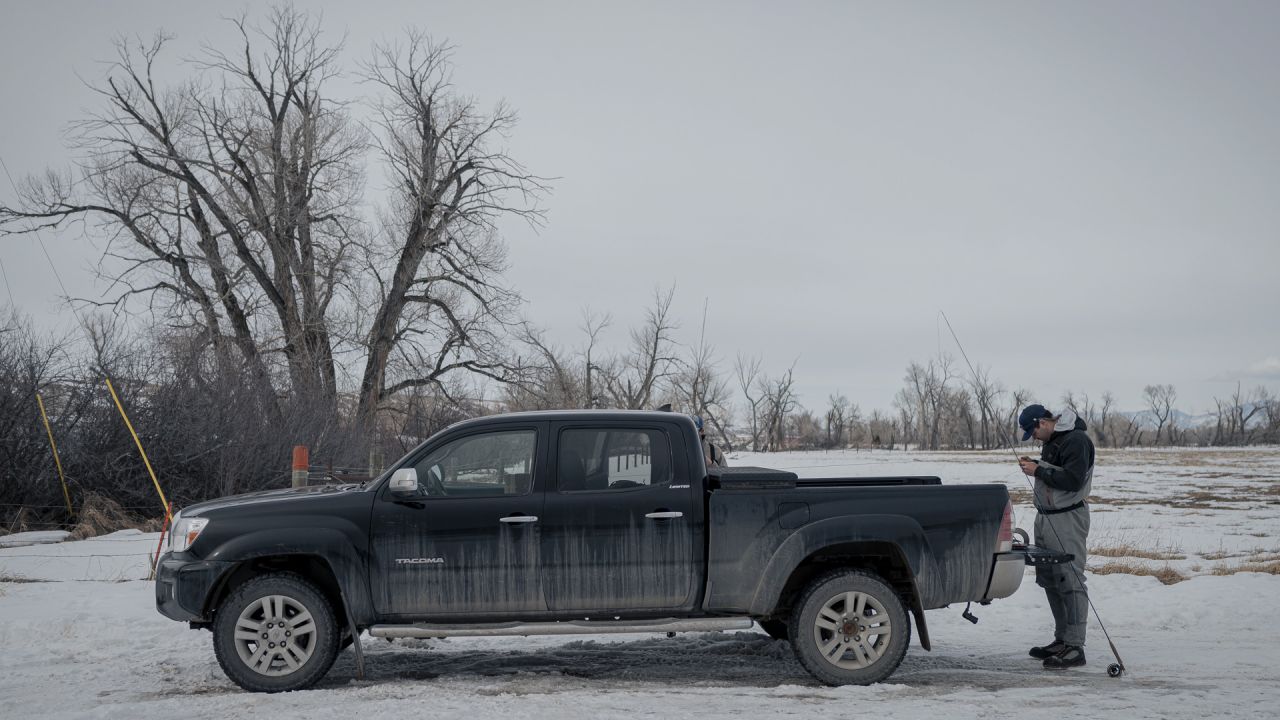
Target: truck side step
[{"x": 574, "y": 627}]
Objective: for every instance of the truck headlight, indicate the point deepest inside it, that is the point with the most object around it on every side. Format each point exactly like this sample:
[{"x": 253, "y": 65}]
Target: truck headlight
[{"x": 185, "y": 531}]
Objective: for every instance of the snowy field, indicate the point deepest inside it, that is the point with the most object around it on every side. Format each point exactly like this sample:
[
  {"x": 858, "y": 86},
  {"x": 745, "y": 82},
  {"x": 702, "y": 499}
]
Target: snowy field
[{"x": 81, "y": 637}]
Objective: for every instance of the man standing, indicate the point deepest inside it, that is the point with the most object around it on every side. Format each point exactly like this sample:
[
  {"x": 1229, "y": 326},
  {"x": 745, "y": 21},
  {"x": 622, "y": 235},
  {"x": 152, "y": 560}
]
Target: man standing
[
  {"x": 713, "y": 454},
  {"x": 1063, "y": 477}
]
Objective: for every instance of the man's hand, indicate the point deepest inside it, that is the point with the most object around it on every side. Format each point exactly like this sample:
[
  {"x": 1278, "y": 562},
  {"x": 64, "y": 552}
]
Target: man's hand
[{"x": 1028, "y": 466}]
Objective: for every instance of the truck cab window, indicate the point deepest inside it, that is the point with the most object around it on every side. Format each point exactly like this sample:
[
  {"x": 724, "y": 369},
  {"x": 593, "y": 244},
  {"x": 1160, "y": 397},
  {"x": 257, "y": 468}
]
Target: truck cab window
[
  {"x": 609, "y": 459},
  {"x": 488, "y": 465}
]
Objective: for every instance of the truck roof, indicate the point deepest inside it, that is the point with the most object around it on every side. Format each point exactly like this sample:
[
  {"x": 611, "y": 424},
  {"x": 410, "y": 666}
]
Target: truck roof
[{"x": 576, "y": 415}]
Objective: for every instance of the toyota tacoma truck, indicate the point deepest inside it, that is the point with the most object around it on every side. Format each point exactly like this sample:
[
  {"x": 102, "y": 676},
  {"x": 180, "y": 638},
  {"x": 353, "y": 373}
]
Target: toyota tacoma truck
[{"x": 582, "y": 522}]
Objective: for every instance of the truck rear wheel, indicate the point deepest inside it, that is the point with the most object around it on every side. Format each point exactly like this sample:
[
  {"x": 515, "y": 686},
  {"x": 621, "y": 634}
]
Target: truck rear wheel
[
  {"x": 275, "y": 633},
  {"x": 850, "y": 628}
]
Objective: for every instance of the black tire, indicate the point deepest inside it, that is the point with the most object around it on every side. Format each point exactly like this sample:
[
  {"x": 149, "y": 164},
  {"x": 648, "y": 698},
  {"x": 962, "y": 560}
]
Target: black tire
[
  {"x": 775, "y": 628},
  {"x": 854, "y": 662},
  {"x": 316, "y": 642}
]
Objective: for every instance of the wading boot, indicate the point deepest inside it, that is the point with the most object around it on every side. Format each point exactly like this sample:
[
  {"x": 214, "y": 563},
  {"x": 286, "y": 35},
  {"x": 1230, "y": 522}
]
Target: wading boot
[
  {"x": 1047, "y": 651},
  {"x": 1071, "y": 656}
]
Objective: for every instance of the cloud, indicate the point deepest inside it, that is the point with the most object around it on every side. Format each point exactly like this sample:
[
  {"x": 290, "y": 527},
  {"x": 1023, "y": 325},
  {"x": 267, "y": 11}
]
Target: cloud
[{"x": 1267, "y": 368}]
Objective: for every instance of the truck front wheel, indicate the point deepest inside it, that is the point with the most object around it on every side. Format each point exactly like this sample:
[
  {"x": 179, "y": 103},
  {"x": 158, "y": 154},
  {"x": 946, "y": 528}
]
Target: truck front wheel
[
  {"x": 850, "y": 628},
  {"x": 275, "y": 633}
]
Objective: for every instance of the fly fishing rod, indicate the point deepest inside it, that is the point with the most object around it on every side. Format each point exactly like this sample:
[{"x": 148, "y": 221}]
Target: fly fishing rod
[{"x": 1117, "y": 668}]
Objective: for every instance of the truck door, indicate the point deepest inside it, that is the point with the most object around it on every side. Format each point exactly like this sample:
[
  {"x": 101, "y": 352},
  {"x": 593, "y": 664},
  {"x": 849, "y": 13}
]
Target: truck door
[
  {"x": 618, "y": 529},
  {"x": 469, "y": 542}
]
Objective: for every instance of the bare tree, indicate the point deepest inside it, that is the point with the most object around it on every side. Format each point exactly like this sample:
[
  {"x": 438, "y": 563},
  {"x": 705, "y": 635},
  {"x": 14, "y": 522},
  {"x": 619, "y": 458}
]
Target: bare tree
[
  {"x": 651, "y": 357},
  {"x": 926, "y": 392},
  {"x": 1101, "y": 428},
  {"x": 549, "y": 381},
  {"x": 1010, "y": 435},
  {"x": 1235, "y": 416},
  {"x": 1130, "y": 434},
  {"x": 592, "y": 326},
  {"x": 1270, "y": 409},
  {"x": 222, "y": 195},
  {"x": 228, "y": 203},
  {"x": 958, "y": 406},
  {"x": 839, "y": 415},
  {"x": 1159, "y": 399},
  {"x": 882, "y": 430},
  {"x": 699, "y": 386},
  {"x": 779, "y": 402},
  {"x": 912, "y": 402},
  {"x": 451, "y": 183},
  {"x": 747, "y": 372},
  {"x": 986, "y": 393}
]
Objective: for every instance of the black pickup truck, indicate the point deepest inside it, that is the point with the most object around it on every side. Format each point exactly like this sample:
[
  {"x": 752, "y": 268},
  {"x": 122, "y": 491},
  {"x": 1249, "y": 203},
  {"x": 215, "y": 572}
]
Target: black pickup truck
[{"x": 582, "y": 522}]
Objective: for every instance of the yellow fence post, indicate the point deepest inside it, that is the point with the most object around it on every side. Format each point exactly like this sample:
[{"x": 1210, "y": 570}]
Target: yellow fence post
[
  {"x": 56, "y": 460},
  {"x": 167, "y": 515}
]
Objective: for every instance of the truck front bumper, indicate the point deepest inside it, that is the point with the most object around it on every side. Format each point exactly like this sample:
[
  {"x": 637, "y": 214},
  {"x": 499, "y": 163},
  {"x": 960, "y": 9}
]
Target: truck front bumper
[
  {"x": 1006, "y": 575},
  {"x": 183, "y": 586}
]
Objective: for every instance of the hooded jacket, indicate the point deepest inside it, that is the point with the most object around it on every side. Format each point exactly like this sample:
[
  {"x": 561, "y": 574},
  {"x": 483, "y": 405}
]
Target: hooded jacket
[{"x": 1064, "y": 473}]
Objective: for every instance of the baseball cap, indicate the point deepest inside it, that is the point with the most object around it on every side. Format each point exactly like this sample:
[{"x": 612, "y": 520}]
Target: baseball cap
[{"x": 1028, "y": 418}]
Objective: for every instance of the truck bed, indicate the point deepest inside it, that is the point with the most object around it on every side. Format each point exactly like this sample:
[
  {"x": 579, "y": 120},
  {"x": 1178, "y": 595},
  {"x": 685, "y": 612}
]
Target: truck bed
[{"x": 946, "y": 534}]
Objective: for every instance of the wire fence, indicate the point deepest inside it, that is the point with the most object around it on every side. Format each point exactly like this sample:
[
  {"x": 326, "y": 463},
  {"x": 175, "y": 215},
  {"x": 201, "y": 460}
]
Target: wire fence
[
  {"x": 95, "y": 555},
  {"x": 134, "y": 539}
]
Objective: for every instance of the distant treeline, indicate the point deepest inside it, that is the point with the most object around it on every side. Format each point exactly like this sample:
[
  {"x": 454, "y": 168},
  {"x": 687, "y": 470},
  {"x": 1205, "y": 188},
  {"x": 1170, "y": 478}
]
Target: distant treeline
[{"x": 207, "y": 431}]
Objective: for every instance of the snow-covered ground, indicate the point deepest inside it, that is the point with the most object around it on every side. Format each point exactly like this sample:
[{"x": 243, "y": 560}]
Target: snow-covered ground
[
  {"x": 1193, "y": 510},
  {"x": 82, "y": 639}
]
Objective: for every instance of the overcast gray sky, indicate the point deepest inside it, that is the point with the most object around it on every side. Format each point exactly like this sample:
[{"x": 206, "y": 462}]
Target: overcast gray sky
[{"x": 1090, "y": 190}]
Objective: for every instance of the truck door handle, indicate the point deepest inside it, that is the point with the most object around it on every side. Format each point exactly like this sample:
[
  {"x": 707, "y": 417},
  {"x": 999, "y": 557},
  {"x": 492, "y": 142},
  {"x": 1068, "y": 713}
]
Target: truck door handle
[
  {"x": 519, "y": 519},
  {"x": 664, "y": 515}
]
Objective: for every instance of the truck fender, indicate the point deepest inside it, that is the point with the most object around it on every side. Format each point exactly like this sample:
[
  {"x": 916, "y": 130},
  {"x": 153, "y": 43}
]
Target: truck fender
[
  {"x": 331, "y": 546},
  {"x": 900, "y": 531}
]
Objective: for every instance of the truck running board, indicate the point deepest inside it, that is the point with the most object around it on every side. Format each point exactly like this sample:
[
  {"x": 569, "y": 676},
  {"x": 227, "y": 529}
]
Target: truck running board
[{"x": 573, "y": 627}]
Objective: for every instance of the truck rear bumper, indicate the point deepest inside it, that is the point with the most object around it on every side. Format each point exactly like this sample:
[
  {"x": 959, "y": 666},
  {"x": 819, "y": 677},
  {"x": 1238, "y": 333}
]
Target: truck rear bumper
[
  {"x": 183, "y": 586},
  {"x": 1006, "y": 575}
]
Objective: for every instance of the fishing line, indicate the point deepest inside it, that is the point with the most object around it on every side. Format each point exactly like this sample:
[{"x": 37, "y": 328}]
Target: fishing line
[{"x": 7, "y": 286}]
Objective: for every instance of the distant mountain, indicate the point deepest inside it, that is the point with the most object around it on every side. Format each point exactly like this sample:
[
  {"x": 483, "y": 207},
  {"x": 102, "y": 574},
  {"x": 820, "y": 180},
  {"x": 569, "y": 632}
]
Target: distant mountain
[{"x": 1181, "y": 420}]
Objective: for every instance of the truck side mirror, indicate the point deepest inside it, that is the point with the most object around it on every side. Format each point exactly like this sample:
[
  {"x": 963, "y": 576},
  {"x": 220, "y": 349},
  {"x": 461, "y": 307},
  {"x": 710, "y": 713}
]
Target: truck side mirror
[{"x": 404, "y": 482}]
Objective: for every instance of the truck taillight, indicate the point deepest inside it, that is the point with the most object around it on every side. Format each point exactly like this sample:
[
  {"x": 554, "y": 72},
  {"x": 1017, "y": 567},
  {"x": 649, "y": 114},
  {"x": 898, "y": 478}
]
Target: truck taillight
[{"x": 1005, "y": 539}]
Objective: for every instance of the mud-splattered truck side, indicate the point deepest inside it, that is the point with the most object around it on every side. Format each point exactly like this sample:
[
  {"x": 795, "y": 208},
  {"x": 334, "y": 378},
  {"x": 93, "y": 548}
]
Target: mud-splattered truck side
[{"x": 582, "y": 522}]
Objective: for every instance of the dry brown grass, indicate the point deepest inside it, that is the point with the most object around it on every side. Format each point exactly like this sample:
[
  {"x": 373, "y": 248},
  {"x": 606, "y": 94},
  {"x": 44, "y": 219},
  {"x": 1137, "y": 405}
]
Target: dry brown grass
[
  {"x": 1215, "y": 495},
  {"x": 1220, "y": 555},
  {"x": 10, "y": 578},
  {"x": 1019, "y": 496},
  {"x": 1269, "y": 568},
  {"x": 1120, "y": 551},
  {"x": 1166, "y": 574},
  {"x": 20, "y": 522},
  {"x": 1100, "y": 500},
  {"x": 101, "y": 515}
]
